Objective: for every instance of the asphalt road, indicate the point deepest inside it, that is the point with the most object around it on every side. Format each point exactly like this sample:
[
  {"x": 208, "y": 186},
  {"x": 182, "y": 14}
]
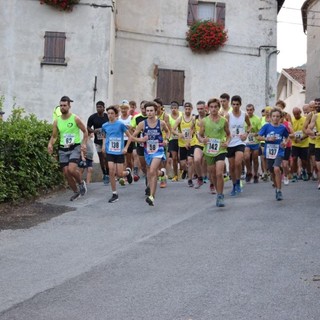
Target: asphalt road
[{"x": 183, "y": 259}]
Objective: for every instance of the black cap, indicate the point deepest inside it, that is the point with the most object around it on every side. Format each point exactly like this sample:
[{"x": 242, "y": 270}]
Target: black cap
[{"x": 66, "y": 98}]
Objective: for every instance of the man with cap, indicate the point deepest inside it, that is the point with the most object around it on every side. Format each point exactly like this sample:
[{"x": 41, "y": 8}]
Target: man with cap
[{"x": 68, "y": 126}]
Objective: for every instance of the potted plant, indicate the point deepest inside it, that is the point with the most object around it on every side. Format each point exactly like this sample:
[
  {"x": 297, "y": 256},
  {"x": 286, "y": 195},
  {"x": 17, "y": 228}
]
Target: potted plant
[
  {"x": 206, "y": 35},
  {"x": 63, "y": 5}
]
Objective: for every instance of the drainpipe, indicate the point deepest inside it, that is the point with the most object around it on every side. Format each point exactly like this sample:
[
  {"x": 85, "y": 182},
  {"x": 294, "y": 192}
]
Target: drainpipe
[
  {"x": 267, "y": 89},
  {"x": 94, "y": 92}
]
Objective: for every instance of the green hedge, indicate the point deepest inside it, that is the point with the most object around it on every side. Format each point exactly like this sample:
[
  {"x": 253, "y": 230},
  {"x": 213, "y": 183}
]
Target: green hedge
[{"x": 26, "y": 168}]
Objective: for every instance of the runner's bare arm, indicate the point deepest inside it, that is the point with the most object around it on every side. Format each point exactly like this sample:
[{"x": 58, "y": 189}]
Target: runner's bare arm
[{"x": 53, "y": 137}]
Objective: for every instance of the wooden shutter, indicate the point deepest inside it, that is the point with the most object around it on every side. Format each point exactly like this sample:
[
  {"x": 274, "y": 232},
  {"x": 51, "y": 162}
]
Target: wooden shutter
[
  {"x": 170, "y": 85},
  {"x": 54, "y": 48},
  {"x": 221, "y": 13},
  {"x": 192, "y": 11}
]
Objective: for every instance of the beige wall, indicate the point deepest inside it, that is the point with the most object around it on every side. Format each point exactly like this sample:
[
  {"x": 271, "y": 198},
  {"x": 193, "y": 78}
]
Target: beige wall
[
  {"x": 313, "y": 53},
  {"x": 38, "y": 89},
  {"x": 157, "y": 37}
]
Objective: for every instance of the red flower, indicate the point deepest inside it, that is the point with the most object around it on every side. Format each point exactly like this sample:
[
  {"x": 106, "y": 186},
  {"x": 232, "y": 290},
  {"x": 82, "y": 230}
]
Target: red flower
[
  {"x": 206, "y": 35},
  {"x": 63, "y": 5}
]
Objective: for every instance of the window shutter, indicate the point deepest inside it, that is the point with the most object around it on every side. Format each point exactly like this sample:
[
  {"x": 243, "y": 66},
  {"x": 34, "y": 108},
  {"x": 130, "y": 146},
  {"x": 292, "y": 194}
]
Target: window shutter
[
  {"x": 54, "y": 48},
  {"x": 170, "y": 85},
  {"x": 221, "y": 13},
  {"x": 192, "y": 11}
]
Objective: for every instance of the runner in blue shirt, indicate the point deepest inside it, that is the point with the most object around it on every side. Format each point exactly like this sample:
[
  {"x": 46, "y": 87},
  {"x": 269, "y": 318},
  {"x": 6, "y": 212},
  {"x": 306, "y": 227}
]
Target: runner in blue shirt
[
  {"x": 113, "y": 146},
  {"x": 275, "y": 136}
]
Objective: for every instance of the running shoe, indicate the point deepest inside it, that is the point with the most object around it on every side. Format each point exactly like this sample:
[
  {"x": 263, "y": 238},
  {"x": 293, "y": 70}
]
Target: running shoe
[
  {"x": 175, "y": 179},
  {"x": 150, "y": 200},
  {"x": 129, "y": 176},
  {"x": 238, "y": 188},
  {"x": 234, "y": 192},
  {"x": 319, "y": 186},
  {"x": 75, "y": 196},
  {"x": 279, "y": 196},
  {"x": 212, "y": 189},
  {"x": 248, "y": 177},
  {"x": 220, "y": 200},
  {"x": 122, "y": 182},
  {"x": 255, "y": 179},
  {"x": 106, "y": 179},
  {"x": 294, "y": 178},
  {"x": 199, "y": 183},
  {"x": 147, "y": 191},
  {"x": 305, "y": 175},
  {"x": 163, "y": 178},
  {"x": 190, "y": 183},
  {"x": 83, "y": 188},
  {"x": 114, "y": 198},
  {"x": 184, "y": 174},
  {"x": 136, "y": 178},
  {"x": 285, "y": 180},
  {"x": 226, "y": 178},
  {"x": 265, "y": 177}
]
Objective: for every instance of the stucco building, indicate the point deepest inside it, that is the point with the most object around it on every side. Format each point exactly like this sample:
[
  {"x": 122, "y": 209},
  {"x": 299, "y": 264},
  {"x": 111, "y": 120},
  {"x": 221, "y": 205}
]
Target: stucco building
[
  {"x": 291, "y": 88},
  {"x": 311, "y": 17},
  {"x": 114, "y": 50}
]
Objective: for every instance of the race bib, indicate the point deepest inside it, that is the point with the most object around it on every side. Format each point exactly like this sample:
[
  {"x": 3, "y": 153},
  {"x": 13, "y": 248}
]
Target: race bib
[
  {"x": 115, "y": 145},
  {"x": 213, "y": 146},
  {"x": 250, "y": 139},
  {"x": 237, "y": 131},
  {"x": 272, "y": 151},
  {"x": 152, "y": 146},
  {"x": 186, "y": 133},
  {"x": 99, "y": 135},
  {"x": 68, "y": 139}
]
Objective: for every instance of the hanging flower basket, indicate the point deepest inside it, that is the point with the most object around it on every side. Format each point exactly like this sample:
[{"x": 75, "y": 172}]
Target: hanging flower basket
[
  {"x": 62, "y": 5},
  {"x": 206, "y": 36}
]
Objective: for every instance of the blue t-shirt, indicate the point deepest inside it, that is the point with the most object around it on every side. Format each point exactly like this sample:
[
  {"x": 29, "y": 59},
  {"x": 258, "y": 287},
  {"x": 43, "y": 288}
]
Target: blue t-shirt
[
  {"x": 274, "y": 149},
  {"x": 114, "y": 136}
]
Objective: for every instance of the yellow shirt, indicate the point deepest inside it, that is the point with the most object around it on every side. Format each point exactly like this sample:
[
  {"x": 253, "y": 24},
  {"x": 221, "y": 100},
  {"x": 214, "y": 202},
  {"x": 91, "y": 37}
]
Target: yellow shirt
[
  {"x": 297, "y": 126},
  {"x": 185, "y": 129}
]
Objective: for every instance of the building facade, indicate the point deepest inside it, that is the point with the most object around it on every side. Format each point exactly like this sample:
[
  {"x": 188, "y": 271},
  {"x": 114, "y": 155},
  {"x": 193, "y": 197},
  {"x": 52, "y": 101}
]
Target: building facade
[
  {"x": 311, "y": 17},
  {"x": 114, "y": 50},
  {"x": 291, "y": 88}
]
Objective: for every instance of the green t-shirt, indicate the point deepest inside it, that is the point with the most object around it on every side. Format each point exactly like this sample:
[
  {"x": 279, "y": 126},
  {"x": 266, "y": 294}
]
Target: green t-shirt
[
  {"x": 69, "y": 131},
  {"x": 217, "y": 135}
]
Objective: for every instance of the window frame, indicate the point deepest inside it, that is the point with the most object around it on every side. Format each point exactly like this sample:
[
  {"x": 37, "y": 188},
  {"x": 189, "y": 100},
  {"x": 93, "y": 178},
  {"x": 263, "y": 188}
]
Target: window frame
[
  {"x": 54, "y": 48},
  {"x": 219, "y": 11}
]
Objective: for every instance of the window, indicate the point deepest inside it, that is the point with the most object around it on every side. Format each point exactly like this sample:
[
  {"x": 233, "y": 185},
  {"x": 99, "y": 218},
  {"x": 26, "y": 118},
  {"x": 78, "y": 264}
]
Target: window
[
  {"x": 54, "y": 48},
  {"x": 170, "y": 85},
  {"x": 204, "y": 10}
]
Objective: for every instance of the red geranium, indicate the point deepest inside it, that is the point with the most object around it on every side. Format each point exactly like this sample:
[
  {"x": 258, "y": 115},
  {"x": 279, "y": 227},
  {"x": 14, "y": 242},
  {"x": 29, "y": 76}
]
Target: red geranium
[
  {"x": 63, "y": 5},
  {"x": 206, "y": 35}
]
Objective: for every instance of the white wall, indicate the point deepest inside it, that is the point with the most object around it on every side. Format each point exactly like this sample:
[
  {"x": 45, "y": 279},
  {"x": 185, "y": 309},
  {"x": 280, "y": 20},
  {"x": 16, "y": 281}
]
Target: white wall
[
  {"x": 38, "y": 89},
  {"x": 313, "y": 53},
  {"x": 158, "y": 38}
]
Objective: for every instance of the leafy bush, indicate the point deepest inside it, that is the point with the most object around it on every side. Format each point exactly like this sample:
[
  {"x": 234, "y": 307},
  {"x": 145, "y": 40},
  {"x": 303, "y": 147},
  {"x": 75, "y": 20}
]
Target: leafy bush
[{"x": 26, "y": 168}]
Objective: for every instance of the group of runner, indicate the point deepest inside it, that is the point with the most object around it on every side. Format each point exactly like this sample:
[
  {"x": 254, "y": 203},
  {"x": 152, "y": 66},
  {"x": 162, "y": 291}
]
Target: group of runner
[{"x": 155, "y": 143}]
